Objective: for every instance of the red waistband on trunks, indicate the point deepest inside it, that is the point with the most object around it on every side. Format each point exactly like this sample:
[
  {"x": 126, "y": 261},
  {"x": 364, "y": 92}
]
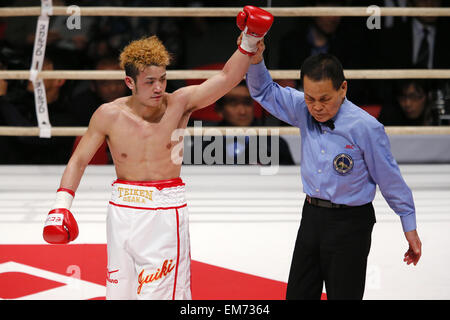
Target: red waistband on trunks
[{"x": 159, "y": 184}]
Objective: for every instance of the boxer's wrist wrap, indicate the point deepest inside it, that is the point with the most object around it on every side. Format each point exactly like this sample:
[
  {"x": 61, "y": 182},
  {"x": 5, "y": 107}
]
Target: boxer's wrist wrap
[
  {"x": 64, "y": 198},
  {"x": 249, "y": 44}
]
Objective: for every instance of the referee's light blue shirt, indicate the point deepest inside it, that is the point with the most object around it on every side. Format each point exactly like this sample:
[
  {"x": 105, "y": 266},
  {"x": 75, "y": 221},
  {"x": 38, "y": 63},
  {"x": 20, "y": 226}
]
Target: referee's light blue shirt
[{"x": 343, "y": 165}]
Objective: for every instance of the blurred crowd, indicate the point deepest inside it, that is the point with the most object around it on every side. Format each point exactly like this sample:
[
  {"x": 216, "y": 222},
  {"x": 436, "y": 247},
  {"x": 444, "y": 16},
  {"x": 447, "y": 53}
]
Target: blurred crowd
[{"x": 386, "y": 43}]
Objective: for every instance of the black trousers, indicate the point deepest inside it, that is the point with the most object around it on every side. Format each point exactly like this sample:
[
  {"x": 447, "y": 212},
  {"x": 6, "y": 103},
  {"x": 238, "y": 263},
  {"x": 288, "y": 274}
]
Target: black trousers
[{"x": 332, "y": 246}]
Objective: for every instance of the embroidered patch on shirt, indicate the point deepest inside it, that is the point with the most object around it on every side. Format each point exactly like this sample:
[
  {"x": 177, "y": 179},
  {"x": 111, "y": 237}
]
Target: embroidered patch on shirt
[{"x": 343, "y": 163}]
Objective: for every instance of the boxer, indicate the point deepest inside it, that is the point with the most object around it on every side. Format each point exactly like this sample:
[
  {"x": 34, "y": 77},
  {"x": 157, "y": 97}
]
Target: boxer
[{"x": 147, "y": 221}]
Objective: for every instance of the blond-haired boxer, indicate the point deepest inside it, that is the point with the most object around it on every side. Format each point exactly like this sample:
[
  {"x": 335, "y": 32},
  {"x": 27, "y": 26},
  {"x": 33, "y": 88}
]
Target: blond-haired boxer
[{"x": 147, "y": 222}]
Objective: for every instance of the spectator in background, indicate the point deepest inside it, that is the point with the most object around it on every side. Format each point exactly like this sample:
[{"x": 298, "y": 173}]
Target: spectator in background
[
  {"x": 237, "y": 110},
  {"x": 422, "y": 42},
  {"x": 18, "y": 109},
  {"x": 21, "y": 31},
  {"x": 99, "y": 91},
  {"x": 314, "y": 35},
  {"x": 411, "y": 107},
  {"x": 391, "y": 21},
  {"x": 342, "y": 37}
]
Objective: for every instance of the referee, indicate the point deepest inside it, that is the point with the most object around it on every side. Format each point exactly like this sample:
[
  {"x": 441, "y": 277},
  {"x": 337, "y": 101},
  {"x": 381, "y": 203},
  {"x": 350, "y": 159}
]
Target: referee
[{"x": 345, "y": 154}]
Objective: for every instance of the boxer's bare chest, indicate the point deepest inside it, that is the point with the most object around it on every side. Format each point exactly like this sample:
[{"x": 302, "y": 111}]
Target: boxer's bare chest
[{"x": 134, "y": 140}]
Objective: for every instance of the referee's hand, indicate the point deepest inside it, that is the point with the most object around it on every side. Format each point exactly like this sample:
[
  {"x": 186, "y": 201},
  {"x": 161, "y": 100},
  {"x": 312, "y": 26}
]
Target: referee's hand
[
  {"x": 258, "y": 56},
  {"x": 415, "y": 248}
]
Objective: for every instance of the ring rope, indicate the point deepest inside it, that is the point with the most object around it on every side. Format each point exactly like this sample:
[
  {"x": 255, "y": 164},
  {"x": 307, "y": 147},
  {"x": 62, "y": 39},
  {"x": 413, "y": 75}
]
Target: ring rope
[
  {"x": 227, "y": 12},
  {"x": 205, "y": 74},
  {"x": 211, "y": 131}
]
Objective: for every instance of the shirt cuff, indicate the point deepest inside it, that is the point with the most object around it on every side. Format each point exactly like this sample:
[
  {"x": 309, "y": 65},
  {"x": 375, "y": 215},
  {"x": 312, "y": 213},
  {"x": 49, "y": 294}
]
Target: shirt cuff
[
  {"x": 408, "y": 222},
  {"x": 258, "y": 78},
  {"x": 257, "y": 69}
]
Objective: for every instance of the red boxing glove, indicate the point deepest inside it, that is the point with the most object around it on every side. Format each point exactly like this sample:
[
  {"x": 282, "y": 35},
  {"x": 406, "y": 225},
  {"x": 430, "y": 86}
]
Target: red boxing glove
[
  {"x": 60, "y": 226},
  {"x": 254, "y": 22}
]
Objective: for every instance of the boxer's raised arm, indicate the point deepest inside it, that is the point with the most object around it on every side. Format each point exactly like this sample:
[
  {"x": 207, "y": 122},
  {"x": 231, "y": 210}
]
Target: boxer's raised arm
[
  {"x": 254, "y": 22},
  {"x": 211, "y": 90}
]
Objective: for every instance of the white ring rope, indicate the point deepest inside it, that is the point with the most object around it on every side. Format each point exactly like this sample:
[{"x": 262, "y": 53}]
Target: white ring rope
[
  {"x": 205, "y": 74},
  {"x": 208, "y": 131},
  {"x": 227, "y": 12}
]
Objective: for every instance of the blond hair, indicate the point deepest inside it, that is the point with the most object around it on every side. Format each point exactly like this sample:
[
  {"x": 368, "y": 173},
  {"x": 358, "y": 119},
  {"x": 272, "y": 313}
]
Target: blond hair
[{"x": 141, "y": 53}]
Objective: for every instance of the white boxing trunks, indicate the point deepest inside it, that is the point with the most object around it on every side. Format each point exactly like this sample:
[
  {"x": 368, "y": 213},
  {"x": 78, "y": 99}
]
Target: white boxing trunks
[{"x": 148, "y": 241}]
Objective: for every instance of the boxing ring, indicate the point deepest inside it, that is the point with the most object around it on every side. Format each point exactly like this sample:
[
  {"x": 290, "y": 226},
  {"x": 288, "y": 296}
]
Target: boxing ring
[
  {"x": 243, "y": 224},
  {"x": 240, "y": 221}
]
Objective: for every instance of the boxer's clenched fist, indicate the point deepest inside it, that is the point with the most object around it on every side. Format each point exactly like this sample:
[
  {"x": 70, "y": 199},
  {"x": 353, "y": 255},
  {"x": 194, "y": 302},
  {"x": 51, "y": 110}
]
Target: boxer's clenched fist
[
  {"x": 60, "y": 226},
  {"x": 254, "y": 22}
]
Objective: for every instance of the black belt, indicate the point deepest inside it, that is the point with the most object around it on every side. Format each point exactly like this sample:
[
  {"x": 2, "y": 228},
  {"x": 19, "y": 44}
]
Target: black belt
[{"x": 325, "y": 203}]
